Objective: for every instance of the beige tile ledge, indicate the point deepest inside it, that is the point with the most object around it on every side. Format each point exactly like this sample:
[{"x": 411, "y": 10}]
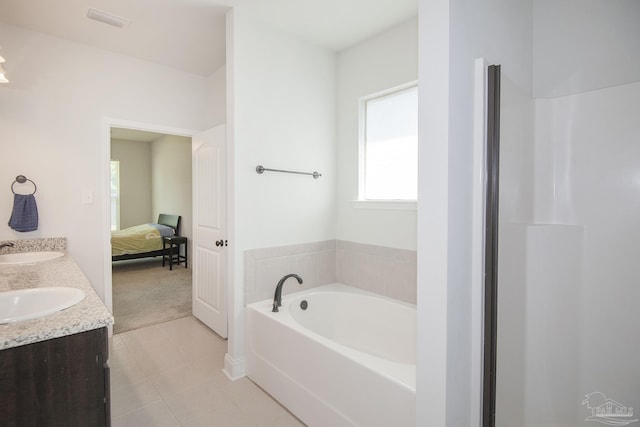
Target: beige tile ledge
[{"x": 88, "y": 314}]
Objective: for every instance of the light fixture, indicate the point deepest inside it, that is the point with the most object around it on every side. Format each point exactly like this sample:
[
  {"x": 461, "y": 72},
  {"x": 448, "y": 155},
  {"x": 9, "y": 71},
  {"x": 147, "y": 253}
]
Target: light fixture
[
  {"x": 107, "y": 18},
  {"x": 1, "y": 59}
]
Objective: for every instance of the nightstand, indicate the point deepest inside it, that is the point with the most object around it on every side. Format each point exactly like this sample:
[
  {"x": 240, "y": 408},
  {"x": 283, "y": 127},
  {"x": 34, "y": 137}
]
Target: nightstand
[{"x": 171, "y": 251}]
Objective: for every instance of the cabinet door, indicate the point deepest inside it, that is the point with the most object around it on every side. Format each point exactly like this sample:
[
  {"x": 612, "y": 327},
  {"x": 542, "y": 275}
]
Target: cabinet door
[{"x": 58, "y": 382}]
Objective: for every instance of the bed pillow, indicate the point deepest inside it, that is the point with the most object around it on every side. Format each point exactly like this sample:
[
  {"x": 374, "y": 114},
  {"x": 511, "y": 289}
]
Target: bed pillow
[{"x": 165, "y": 230}]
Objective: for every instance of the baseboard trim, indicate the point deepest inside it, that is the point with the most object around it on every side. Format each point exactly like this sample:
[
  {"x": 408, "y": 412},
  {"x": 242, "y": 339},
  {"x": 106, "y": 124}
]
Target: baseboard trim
[{"x": 234, "y": 369}]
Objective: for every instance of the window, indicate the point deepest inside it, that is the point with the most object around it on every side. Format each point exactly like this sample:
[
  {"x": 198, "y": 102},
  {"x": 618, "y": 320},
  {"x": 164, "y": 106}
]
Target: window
[
  {"x": 115, "y": 195},
  {"x": 389, "y": 145}
]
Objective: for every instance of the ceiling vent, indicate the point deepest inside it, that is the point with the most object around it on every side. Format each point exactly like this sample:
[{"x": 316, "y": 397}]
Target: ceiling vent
[{"x": 104, "y": 17}]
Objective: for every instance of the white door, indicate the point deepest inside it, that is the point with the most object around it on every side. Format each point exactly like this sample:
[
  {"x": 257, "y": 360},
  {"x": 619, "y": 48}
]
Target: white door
[{"x": 209, "y": 229}]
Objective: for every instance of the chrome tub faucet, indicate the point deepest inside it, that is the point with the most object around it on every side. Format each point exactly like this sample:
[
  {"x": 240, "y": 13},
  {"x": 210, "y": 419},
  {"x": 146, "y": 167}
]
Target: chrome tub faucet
[{"x": 277, "y": 298}]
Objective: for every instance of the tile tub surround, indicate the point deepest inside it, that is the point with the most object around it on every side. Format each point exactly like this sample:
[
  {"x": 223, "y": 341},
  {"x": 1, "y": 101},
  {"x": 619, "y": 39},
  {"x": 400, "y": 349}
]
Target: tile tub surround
[
  {"x": 58, "y": 244},
  {"x": 379, "y": 269},
  {"x": 386, "y": 271},
  {"x": 88, "y": 314},
  {"x": 314, "y": 262}
]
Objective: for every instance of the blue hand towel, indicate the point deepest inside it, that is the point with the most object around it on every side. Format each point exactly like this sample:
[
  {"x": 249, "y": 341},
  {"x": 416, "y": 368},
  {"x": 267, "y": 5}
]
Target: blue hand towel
[{"x": 24, "y": 216}]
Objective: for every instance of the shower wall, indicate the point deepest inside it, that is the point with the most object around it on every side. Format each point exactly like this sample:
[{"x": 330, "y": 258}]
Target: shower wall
[
  {"x": 588, "y": 174},
  {"x": 567, "y": 282},
  {"x": 516, "y": 211},
  {"x": 582, "y": 45},
  {"x": 567, "y": 298}
]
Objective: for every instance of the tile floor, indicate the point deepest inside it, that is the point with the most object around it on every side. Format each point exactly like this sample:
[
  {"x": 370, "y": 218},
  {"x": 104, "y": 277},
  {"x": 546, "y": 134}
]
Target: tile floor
[{"x": 170, "y": 374}]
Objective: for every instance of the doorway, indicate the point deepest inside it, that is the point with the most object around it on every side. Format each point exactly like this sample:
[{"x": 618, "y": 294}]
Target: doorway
[
  {"x": 150, "y": 179},
  {"x": 209, "y": 291}
]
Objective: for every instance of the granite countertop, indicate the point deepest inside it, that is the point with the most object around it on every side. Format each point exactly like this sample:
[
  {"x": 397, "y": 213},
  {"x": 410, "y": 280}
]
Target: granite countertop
[{"x": 88, "y": 314}]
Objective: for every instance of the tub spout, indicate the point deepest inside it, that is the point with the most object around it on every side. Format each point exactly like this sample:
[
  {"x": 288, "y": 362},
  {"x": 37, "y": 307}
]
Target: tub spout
[{"x": 277, "y": 298}]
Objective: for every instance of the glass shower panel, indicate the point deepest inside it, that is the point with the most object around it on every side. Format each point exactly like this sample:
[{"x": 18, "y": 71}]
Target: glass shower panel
[{"x": 567, "y": 335}]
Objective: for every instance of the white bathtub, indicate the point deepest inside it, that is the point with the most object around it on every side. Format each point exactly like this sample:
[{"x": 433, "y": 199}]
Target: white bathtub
[{"x": 347, "y": 360}]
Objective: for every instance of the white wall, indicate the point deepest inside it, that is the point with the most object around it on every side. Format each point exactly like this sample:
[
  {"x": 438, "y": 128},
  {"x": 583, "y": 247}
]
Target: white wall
[
  {"x": 382, "y": 62},
  {"x": 282, "y": 116},
  {"x": 452, "y": 34},
  {"x": 171, "y": 183},
  {"x": 582, "y": 45},
  {"x": 155, "y": 177},
  {"x": 433, "y": 210},
  {"x": 216, "y": 105},
  {"x": 51, "y": 128},
  {"x": 135, "y": 181}
]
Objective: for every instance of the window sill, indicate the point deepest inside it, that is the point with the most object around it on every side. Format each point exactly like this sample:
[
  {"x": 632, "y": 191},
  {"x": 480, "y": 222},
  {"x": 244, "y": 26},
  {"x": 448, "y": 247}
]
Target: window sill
[{"x": 390, "y": 205}]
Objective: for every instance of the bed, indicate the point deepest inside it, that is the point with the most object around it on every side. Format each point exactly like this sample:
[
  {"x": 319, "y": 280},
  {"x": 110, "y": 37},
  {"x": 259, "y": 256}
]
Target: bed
[{"x": 144, "y": 240}]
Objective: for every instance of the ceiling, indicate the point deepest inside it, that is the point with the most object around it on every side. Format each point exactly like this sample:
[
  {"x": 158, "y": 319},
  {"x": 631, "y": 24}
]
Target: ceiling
[{"x": 189, "y": 35}]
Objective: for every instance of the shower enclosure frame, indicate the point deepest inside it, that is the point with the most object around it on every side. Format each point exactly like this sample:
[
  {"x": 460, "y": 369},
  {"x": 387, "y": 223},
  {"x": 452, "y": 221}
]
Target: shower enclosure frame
[{"x": 492, "y": 164}]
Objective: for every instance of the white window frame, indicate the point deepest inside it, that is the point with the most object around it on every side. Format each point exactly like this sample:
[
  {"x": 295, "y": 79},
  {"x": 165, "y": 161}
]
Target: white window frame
[
  {"x": 362, "y": 203},
  {"x": 115, "y": 200}
]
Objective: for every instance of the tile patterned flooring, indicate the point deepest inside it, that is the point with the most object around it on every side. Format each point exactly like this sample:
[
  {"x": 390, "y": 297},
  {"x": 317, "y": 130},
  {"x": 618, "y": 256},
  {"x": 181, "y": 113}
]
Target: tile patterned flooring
[{"x": 170, "y": 374}]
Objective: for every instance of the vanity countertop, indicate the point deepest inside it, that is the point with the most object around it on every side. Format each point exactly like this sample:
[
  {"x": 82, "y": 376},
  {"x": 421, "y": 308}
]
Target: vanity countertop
[{"x": 88, "y": 314}]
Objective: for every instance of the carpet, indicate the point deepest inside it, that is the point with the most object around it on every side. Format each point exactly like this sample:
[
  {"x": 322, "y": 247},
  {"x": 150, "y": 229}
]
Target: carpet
[{"x": 145, "y": 293}]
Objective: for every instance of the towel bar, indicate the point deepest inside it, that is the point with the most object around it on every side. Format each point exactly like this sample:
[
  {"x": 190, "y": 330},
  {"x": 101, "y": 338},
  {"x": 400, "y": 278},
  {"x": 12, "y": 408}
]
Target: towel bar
[
  {"x": 21, "y": 179},
  {"x": 260, "y": 169}
]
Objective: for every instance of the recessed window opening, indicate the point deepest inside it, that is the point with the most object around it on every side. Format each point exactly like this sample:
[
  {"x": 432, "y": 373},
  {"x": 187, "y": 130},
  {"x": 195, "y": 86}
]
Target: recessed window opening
[{"x": 389, "y": 145}]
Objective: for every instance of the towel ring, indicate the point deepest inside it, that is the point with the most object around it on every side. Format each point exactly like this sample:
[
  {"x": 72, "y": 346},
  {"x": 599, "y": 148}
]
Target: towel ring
[{"x": 21, "y": 179}]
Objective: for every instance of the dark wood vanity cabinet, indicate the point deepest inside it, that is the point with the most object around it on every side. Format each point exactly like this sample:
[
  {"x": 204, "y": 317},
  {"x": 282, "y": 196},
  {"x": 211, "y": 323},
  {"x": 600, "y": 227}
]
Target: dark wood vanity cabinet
[{"x": 59, "y": 382}]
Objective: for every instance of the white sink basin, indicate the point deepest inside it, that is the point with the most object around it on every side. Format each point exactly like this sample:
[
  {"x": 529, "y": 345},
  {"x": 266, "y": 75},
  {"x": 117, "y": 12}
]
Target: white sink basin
[
  {"x": 32, "y": 303},
  {"x": 28, "y": 257}
]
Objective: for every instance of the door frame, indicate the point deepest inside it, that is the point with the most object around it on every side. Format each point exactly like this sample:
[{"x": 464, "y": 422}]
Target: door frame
[{"x": 107, "y": 124}]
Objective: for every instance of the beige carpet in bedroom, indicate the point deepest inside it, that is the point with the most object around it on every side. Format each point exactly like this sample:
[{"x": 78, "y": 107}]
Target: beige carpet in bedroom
[{"x": 145, "y": 293}]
